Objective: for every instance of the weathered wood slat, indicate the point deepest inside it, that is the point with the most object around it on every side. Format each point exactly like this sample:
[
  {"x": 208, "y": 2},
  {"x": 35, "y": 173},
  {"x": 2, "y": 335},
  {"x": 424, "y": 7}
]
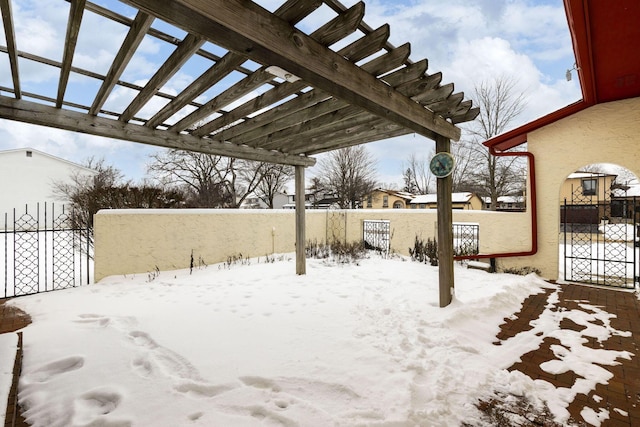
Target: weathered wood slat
[
  {"x": 330, "y": 112},
  {"x": 88, "y": 73},
  {"x": 431, "y": 96},
  {"x": 356, "y": 51},
  {"x": 209, "y": 78},
  {"x": 235, "y": 92},
  {"x": 375, "y": 135},
  {"x": 329, "y": 124},
  {"x": 134, "y": 37},
  {"x": 339, "y": 27},
  {"x": 76, "y": 10},
  {"x": 276, "y": 118},
  {"x": 445, "y": 105},
  {"x": 9, "y": 33},
  {"x": 178, "y": 57},
  {"x": 295, "y": 138},
  {"x": 341, "y": 138},
  {"x": 39, "y": 114},
  {"x": 382, "y": 64},
  {"x": 292, "y": 11},
  {"x": 336, "y": 29},
  {"x": 467, "y": 117},
  {"x": 459, "y": 110},
  {"x": 367, "y": 45},
  {"x": 248, "y": 28}
]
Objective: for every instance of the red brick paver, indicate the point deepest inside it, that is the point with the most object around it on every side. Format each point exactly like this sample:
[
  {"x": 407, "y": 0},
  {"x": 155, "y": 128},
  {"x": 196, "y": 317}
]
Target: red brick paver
[{"x": 621, "y": 395}]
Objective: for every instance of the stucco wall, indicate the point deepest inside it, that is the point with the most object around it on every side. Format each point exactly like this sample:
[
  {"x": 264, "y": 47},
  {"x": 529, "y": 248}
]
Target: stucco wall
[
  {"x": 605, "y": 133},
  {"x": 138, "y": 241}
]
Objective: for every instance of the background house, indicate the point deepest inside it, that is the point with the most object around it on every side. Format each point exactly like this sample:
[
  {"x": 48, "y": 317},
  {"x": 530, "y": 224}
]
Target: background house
[
  {"x": 383, "y": 199},
  {"x": 507, "y": 203},
  {"x": 464, "y": 201},
  {"x": 585, "y": 196},
  {"x": 28, "y": 176},
  {"x": 254, "y": 202}
]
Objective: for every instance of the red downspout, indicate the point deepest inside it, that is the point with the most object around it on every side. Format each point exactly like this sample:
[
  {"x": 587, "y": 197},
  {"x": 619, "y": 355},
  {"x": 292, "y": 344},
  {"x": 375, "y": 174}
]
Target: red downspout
[{"x": 533, "y": 207}]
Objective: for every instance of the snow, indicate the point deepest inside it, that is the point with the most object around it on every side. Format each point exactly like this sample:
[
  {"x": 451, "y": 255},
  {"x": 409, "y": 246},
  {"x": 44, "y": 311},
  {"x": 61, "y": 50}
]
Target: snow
[{"x": 256, "y": 344}]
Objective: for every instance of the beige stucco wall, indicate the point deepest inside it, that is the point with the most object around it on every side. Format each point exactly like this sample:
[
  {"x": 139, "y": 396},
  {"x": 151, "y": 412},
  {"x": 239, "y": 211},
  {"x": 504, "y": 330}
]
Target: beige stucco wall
[
  {"x": 138, "y": 241},
  {"x": 605, "y": 133}
]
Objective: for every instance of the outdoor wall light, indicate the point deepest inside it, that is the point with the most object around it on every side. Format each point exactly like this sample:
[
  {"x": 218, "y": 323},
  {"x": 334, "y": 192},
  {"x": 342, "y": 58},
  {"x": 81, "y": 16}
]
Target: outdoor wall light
[
  {"x": 283, "y": 74},
  {"x": 568, "y": 73}
]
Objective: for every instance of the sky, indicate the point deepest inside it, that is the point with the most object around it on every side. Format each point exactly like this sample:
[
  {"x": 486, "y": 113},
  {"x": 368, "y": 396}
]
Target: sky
[
  {"x": 469, "y": 41},
  {"x": 254, "y": 344}
]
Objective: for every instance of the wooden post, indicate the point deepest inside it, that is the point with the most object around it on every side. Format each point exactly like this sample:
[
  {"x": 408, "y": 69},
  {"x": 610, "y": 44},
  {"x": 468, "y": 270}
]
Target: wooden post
[
  {"x": 301, "y": 262},
  {"x": 445, "y": 229}
]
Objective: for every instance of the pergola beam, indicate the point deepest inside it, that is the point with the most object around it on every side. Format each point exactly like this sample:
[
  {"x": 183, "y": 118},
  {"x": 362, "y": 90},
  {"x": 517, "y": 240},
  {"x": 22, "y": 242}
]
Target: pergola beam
[
  {"x": 247, "y": 28},
  {"x": 39, "y": 114}
]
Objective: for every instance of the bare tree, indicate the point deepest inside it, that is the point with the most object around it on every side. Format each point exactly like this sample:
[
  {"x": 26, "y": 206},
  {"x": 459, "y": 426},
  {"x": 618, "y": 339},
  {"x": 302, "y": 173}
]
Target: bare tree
[
  {"x": 88, "y": 193},
  {"x": 417, "y": 177},
  {"x": 492, "y": 176},
  {"x": 274, "y": 178},
  {"x": 348, "y": 173},
  {"x": 211, "y": 181}
]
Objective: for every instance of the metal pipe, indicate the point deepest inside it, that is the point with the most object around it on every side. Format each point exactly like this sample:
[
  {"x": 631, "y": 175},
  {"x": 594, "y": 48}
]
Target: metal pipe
[{"x": 533, "y": 207}]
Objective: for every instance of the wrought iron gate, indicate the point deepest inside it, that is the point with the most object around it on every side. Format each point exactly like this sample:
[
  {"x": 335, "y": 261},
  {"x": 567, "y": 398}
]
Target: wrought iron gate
[
  {"x": 42, "y": 251},
  {"x": 376, "y": 235},
  {"x": 600, "y": 238}
]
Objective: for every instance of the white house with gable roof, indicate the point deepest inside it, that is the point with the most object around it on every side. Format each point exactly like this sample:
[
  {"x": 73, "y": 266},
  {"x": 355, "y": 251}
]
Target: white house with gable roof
[{"x": 27, "y": 177}]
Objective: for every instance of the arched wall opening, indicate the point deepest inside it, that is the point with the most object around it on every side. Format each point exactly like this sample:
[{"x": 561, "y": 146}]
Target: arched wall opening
[{"x": 599, "y": 220}]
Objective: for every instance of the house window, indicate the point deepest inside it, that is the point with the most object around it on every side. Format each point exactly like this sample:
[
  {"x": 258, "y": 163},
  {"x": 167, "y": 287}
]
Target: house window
[
  {"x": 423, "y": 205},
  {"x": 589, "y": 187},
  {"x": 369, "y": 200},
  {"x": 413, "y": 206},
  {"x": 398, "y": 205},
  {"x": 29, "y": 153},
  {"x": 385, "y": 201}
]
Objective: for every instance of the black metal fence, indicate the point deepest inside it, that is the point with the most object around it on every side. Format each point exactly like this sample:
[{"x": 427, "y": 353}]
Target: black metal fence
[
  {"x": 42, "y": 251},
  {"x": 466, "y": 238},
  {"x": 601, "y": 238},
  {"x": 377, "y": 235}
]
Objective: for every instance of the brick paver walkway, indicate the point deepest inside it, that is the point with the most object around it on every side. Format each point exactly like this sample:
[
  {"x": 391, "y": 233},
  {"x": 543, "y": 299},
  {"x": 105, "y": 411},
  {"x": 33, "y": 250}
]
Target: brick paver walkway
[{"x": 621, "y": 395}]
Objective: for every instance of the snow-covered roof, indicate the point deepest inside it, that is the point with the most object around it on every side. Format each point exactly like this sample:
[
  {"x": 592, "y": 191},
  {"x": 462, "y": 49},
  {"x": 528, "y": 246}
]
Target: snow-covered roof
[
  {"x": 433, "y": 198},
  {"x": 633, "y": 191},
  {"x": 577, "y": 175}
]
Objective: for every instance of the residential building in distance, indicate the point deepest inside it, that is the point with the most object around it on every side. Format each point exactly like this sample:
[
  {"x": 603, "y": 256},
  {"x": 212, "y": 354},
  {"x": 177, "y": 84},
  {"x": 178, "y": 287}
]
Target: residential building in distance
[
  {"x": 28, "y": 177},
  {"x": 459, "y": 201},
  {"x": 383, "y": 199}
]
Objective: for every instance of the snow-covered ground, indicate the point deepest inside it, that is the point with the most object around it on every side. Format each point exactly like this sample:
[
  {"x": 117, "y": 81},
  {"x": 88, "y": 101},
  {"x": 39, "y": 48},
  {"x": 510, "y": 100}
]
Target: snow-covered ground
[{"x": 255, "y": 344}]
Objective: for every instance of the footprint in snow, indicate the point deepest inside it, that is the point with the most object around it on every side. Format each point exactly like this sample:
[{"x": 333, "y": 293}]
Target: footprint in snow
[
  {"x": 92, "y": 407},
  {"x": 53, "y": 369}
]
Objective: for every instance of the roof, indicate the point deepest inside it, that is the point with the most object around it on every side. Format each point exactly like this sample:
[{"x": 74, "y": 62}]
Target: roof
[
  {"x": 400, "y": 194},
  {"x": 580, "y": 175},
  {"x": 269, "y": 91},
  {"x": 433, "y": 198},
  {"x": 606, "y": 38},
  {"x": 50, "y": 156}
]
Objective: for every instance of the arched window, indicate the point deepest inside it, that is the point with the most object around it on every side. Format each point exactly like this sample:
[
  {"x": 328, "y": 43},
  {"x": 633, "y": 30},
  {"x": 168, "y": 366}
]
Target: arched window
[{"x": 398, "y": 204}]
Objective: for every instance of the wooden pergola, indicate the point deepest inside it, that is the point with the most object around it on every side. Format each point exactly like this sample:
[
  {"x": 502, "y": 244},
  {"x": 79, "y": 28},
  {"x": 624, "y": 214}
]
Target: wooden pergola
[{"x": 313, "y": 97}]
